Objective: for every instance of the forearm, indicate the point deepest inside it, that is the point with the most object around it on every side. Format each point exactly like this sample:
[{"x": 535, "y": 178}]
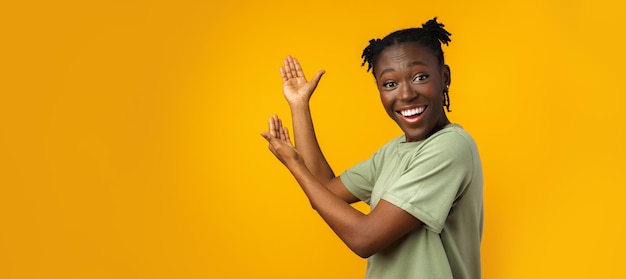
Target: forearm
[
  {"x": 363, "y": 234},
  {"x": 307, "y": 144},
  {"x": 348, "y": 223}
]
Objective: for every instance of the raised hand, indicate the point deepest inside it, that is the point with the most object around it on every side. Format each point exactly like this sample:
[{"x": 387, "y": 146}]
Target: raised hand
[
  {"x": 295, "y": 86},
  {"x": 279, "y": 142}
]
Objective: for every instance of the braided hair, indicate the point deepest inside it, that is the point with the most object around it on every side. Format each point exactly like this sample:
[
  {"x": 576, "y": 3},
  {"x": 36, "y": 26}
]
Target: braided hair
[{"x": 431, "y": 35}]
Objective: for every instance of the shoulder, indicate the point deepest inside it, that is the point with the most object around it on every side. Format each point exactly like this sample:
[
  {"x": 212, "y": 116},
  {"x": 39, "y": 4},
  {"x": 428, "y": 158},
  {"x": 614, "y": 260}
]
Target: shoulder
[
  {"x": 451, "y": 142},
  {"x": 451, "y": 136},
  {"x": 390, "y": 147}
]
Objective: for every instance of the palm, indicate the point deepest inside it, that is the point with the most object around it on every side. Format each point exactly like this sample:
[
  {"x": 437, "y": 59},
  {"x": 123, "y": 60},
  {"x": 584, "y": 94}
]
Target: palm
[
  {"x": 280, "y": 143},
  {"x": 296, "y": 88}
]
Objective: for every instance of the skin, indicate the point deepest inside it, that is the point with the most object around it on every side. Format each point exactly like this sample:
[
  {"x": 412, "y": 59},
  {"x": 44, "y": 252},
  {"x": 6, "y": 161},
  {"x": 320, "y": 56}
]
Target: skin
[
  {"x": 409, "y": 76},
  {"x": 364, "y": 234}
]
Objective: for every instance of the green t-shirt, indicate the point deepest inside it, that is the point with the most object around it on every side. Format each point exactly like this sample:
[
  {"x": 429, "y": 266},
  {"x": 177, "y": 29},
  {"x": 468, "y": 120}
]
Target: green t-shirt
[{"x": 439, "y": 181}]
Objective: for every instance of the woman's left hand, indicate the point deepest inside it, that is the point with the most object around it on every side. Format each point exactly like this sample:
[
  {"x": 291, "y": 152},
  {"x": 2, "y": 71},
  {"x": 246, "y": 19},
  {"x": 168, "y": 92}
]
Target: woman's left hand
[{"x": 296, "y": 88}]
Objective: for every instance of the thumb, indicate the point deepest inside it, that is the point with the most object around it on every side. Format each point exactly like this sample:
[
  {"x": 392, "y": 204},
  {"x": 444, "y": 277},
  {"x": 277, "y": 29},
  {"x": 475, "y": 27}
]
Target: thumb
[
  {"x": 316, "y": 79},
  {"x": 266, "y": 136}
]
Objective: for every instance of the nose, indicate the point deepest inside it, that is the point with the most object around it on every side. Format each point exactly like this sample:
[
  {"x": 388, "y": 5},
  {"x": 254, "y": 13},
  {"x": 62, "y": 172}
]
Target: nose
[{"x": 407, "y": 93}]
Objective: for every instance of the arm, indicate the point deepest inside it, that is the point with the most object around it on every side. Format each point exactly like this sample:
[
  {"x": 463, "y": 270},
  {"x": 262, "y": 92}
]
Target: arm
[
  {"x": 363, "y": 234},
  {"x": 335, "y": 185},
  {"x": 298, "y": 91}
]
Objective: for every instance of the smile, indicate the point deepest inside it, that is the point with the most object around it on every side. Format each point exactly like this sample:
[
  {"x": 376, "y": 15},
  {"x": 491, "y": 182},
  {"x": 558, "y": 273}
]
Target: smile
[{"x": 413, "y": 112}]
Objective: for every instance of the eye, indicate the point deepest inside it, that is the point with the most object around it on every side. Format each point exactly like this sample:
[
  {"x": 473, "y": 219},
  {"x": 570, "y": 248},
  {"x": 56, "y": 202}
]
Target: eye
[
  {"x": 389, "y": 84},
  {"x": 420, "y": 77}
]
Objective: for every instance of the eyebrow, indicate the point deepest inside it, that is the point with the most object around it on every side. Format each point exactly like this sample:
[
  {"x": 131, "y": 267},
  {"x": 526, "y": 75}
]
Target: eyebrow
[
  {"x": 417, "y": 62},
  {"x": 410, "y": 64}
]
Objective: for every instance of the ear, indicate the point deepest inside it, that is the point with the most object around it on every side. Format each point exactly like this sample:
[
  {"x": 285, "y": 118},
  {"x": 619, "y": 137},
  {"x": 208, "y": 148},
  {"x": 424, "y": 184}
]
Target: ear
[{"x": 446, "y": 75}]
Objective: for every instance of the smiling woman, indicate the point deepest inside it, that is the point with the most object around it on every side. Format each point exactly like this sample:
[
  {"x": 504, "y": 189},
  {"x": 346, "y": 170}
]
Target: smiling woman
[
  {"x": 128, "y": 150},
  {"x": 412, "y": 84},
  {"x": 424, "y": 188}
]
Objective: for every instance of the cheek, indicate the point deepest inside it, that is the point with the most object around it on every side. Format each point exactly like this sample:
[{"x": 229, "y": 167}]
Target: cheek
[
  {"x": 436, "y": 94},
  {"x": 386, "y": 100},
  {"x": 382, "y": 97}
]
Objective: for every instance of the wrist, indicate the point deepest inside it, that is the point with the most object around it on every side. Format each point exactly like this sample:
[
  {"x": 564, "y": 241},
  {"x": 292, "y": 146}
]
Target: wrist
[
  {"x": 295, "y": 168},
  {"x": 299, "y": 104},
  {"x": 298, "y": 169}
]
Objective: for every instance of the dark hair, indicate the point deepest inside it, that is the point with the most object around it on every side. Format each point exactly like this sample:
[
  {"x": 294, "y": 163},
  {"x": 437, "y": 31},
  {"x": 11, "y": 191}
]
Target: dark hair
[{"x": 431, "y": 35}]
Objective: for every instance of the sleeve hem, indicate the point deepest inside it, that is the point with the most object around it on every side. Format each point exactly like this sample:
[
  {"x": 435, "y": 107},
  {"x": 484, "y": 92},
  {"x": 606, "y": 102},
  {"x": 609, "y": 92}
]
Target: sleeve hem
[
  {"x": 430, "y": 222},
  {"x": 356, "y": 191}
]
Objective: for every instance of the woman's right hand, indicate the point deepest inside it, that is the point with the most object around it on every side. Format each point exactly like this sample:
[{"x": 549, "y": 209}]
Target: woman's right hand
[{"x": 296, "y": 88}]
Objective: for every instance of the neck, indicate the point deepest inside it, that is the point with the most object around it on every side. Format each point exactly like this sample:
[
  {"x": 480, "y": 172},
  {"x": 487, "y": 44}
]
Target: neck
[{"x": 443, "y": 121}]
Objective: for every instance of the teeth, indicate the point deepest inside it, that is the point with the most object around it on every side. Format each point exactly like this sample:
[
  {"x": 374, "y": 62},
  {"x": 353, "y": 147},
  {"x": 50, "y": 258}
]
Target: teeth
[{"x": 412, "y": 112}]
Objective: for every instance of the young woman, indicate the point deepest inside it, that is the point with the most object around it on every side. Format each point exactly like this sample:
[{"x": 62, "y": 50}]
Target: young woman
[{"x": 425, "y": 188}]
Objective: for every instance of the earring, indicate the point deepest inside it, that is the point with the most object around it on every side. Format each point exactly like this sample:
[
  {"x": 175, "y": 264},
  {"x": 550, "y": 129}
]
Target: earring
[{"x": 446, "y": 97}]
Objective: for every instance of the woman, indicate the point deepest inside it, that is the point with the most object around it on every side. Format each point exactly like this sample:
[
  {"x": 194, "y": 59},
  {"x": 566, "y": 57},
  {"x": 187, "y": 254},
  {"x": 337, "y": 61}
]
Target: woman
[{"x": 424, "y": 187}]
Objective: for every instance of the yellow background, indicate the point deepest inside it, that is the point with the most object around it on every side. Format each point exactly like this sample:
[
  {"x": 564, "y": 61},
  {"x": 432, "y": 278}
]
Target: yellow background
[{"x": 130, "y": 147}]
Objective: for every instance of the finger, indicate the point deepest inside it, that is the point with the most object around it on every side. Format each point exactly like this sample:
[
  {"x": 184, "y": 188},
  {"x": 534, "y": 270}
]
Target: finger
[
  {"x": 282, "y": 134},
  {"x": 318, "y": 76},
  {"x": 287, "y": 68},
  {"x": 283, "y": 74},
  {"x": 278, "y": 124},
  {"x": 272, "y": 127},
  {"x": 266, "y": 136},
  {"x": 316, "y": 79},
  {"x": 292, "y": 67},
  {"x": 298, "y": 68},
  {"x": 285, "y": 136},
  {"x": 270, "y": 139},
  {"x": 270, "y": 146},
  {"x": 273, "y": 143}
]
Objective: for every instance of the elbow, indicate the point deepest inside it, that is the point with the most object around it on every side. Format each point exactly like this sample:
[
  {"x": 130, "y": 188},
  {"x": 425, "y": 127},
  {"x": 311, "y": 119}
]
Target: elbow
[
  {"x": 363, "y": 254},
  {"x": 363, "y": 247}
]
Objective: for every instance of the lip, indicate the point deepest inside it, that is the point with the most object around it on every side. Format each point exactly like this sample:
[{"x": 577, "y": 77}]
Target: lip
[{"x": 413, "y": 119}]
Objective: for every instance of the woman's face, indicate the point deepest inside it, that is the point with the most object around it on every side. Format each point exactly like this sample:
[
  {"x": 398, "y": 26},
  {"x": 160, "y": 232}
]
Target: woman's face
[{"x": 411, "y": 81}]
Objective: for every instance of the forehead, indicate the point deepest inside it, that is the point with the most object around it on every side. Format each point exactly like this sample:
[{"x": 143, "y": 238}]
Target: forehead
[{"x": 405, "y": 55}]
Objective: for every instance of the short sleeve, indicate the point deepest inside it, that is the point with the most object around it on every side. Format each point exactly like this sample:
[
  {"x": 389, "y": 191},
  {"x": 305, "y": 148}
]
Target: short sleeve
[
  {"x": 360, "y": 179},
  {"x": 433, "y": 179}
]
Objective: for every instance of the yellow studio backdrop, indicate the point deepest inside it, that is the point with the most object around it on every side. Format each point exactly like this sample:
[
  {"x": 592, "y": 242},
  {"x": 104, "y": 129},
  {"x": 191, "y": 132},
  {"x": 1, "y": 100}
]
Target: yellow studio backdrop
[{"x": 130, "y": 147}]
